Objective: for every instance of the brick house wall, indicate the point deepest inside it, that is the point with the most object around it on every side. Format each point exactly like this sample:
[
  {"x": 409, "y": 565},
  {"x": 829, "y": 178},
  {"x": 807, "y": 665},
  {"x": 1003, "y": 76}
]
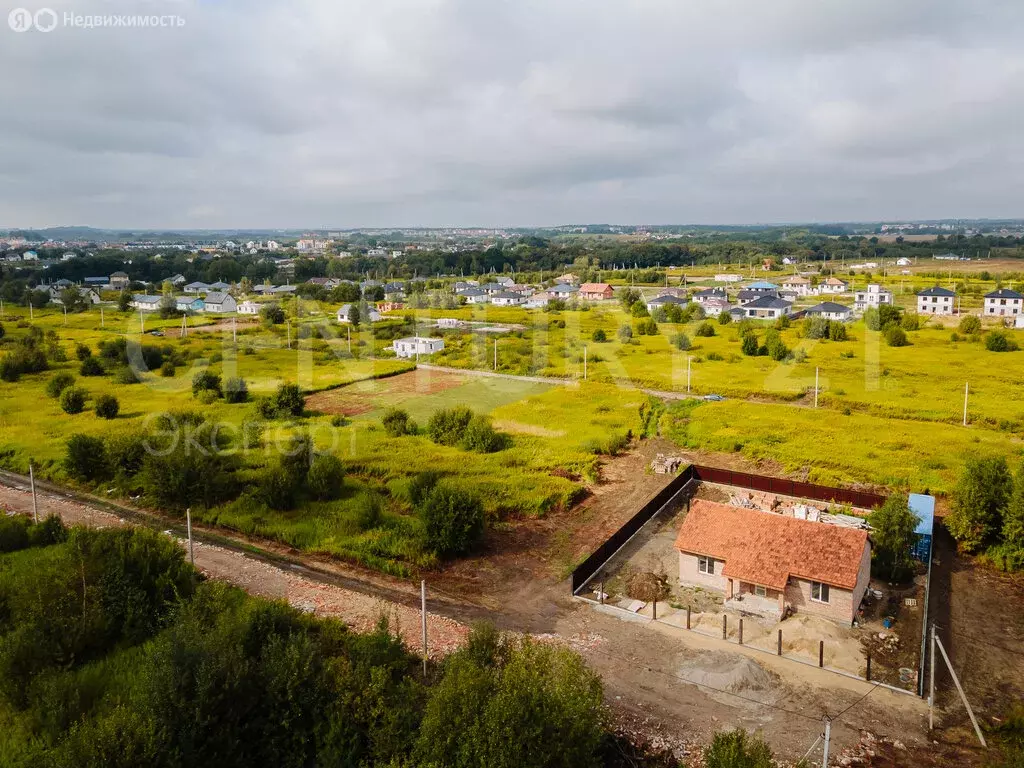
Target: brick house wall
[
  {"x": 843, "y": 603},
  {"x": 688, "y": 573}
]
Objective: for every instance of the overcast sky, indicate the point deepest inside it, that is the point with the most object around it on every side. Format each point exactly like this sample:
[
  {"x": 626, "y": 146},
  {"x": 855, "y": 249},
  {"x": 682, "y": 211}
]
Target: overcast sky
[{"x": 343, "y": 113}]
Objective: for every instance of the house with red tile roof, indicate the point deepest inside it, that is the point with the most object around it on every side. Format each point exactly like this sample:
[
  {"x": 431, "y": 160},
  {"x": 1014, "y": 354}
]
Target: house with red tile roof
[
  {"x": 596, "y": 291},
  {"x": 766, "y": 563}
]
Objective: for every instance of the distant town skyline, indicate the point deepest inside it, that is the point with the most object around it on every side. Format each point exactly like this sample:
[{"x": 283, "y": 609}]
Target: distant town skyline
[{"x": 503, "y": 115}]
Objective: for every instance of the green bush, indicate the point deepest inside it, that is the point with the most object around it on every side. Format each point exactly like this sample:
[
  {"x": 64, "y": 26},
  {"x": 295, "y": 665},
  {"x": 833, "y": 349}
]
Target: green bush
[
  {"x": 480, "y": 436},
  {"x": 982, "y": 492},
  {"x": 453, "y": 519},
  {"x": 125, "y": 452},
  {"x": 188, "y": 473},
  {"x": 289, "y": 400},
  {"x": 127, "y": 375},
  {"x": 706, "y": 330},
  {"x": 895, "y": 336},
  {"x": 911, "y": 321},
  {"x": 736, "y": 749},
  {"x": 625, "y": 333},
  {"x": 448, "y": 425},
  {"x": 277, "y": 488},
  {"x": 85, "y": 458},
  {"x": 367, "y": 511},
  {"x": 82, "y": 351},
  {"x": 682, "y": 342},
  {"x": 837, "y": 331},
  {"x": 647, "y": 327},
  {"x": 167, "y": 370},
  {"x": 421, "y": 484},
  {"x": 599, "y": 336},
  {"x": 59, "y": 383},
  {"x": 749, "y": 345},
  {"x": 396, "y": 423},
  {"x": 72, "y": 400},
  {"x": 1000, "y": 341},
  {"x": 970, "y": 325},
  {"x": 107, "y": 407},
  {"x": 724, "y": 318},
  {"x": 326, "y": 477},
  {"x": 205, "y": 381},
  {"x": 236, "y": 390}
]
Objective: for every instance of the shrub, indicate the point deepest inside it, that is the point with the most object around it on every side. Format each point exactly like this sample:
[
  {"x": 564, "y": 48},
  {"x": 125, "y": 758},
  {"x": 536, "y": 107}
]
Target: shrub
[
  {"x": 421, "y": 485},
  {"x": 289, "y": 400},
  {"x": 647, "y": 328},
  {"x": 775, "y": 347},
  {"x": 59, "y": 383},
  {"x": 736, "y": 749},
  {"x": 724, "y": 318},
  {"x": 297, "y": 458},
  {"x": 72, "y": 400},
  {"x": 205, "y": 381},
  {"x": 236, "y": 390},
  {"x": 625, "y": 333},
  {"x": 85, "y": 458},
  {"x": 706, "y": 330},
  {"x": 837, "y": 331},
  {"x": 447, "y": 426},
  {"x": 682, "y": 342},
  {"x": 272, "y": 314},
  {"x": 396, "y": 423},
  {"x": 749, "y": 345},
  {"x": 977, "y": 501},
  {"x": 599, "y": 336},
  {"x": 266, "y": 407},
  {"x": 189, "y": 473},
  {"x": 82, "y": 351},
  {"x": 127, "y": 375},
  {"x": 911, "y": 321},
  {"x": 107, "y": 407},
  {"x": 125, "y": 453},
  {"x": 480, "y": 436},
  {"x": 9, "y": 370},
  {"x": 895, "y": 336},
  {"x": 970, "y": 325},
  {"x": 277, "y": 488},
  {"x": 167, "y": 370},
  {"x": 816, "y": 328},
  {"x": 367, "y": 511},
  {"x": 453, "y": 519},
  {"x": 326, "y": 477},
  {"x": 252, "y": 433},
  {"x": 1000, "y": 341}
]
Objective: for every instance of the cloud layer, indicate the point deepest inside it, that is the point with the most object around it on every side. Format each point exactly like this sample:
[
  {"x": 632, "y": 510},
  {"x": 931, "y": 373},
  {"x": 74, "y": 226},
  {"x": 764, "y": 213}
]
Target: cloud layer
[{"x": 491, "y": 112}]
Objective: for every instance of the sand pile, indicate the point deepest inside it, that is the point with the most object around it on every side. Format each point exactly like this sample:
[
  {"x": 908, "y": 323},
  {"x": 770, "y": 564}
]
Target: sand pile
[{"x": 732, "y": 672}]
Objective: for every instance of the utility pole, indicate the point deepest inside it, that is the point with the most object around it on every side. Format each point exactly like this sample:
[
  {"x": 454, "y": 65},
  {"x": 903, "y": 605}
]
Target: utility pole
[
  {"x": 584, "y": 362},
  {"x": 688, "y": 359},
  {"x": 816, "y": 372},
  {"x": 349, "y": 329},
  {"x": 32, "y": 483},
  {"x": 495, "y": 354},
  {"x": 828, "y": 736},
  {"x": 188, "y": 523},
  {"x": 289, "y": 334},
  {"x": 142, "y": 322},
  {"x": 234, "y": 331},
  {"x": 102, "y": 325},
  {"x": 967, "y": 392},
  {"x": 960, "y": 690},
  {"x": 65, "y": 314},
  {"x": 931, "y": 686},
  {"x": 423, "y": 621},
  {"x": 31, "y": 312}
]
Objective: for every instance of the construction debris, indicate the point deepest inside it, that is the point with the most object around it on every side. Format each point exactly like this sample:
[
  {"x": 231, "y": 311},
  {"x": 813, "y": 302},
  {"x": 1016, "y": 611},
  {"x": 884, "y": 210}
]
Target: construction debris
[{"x": 666, "y": 465}]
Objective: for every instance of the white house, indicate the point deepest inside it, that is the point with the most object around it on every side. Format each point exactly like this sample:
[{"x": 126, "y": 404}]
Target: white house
[
  {"x": 767, "y": 308},
  {"x": 145, "y": 303},
  {"x": 665, "y": 302},
  {"x": 197, "y": 287},
  {"x": 474, "y": 296},
  {"x": 936, "y": 301},
  {"x": 728, "y": 278},
  {"x": 832, "y": 286},
  {"x": 414, "y": 346},
  {"x": 248, "y": 308},
  {"x": 831, "y": 311},
  {"x": 904, "y": 262},
  {"x": 30, "y": 256},
  {"x": 874, "y": 296},
  {"x": 711, "y": 295},
  {"x": 506, "y": 299},
  {"x": 1004, "y": 303},
  {"x": 801, "y": 286},
  {"x": 345, "y": 314},
  {"x": 220, "y": 302},
  {"x": 450, "y": 322}
]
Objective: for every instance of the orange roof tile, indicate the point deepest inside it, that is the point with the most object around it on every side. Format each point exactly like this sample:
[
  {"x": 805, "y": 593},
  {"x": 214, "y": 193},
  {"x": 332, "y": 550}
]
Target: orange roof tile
[
  {"x": 595, "y": 288},
  {"x": 766, "y": 549}
]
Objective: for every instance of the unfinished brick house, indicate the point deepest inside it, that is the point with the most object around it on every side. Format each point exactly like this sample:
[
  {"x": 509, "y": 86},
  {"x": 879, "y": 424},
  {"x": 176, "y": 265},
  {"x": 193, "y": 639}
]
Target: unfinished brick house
[{"x": 765, "y": 563}]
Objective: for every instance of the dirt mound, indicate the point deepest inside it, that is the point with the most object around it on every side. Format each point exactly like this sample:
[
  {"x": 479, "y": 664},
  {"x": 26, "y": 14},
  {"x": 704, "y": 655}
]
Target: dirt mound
[{"x": 732, "y": 672}]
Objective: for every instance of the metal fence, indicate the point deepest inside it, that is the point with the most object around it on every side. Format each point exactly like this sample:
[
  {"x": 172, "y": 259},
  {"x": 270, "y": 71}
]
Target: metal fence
[{"x": 586, "y": 570}]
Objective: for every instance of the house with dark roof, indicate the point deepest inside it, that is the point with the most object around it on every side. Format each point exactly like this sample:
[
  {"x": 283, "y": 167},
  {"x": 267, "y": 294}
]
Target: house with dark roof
[
  {"x": 1004, "y": 303},
  {"x": 197, "y": 287},
  {"x": 119, "y": 281},
  {"x": 145, "y": 303},
  {"x": 665, "y": 302},
  {"x": 767, "y": 308},
  {"x": 220, "y": 302},
  {"x": 830, "y": 311},
  {"x": 473, "y": 295},
  {"x": 507, "y": 299},
  {"x": 767, "y": 564},
  {"x": 711, "y": 296},
  {"x": 936, "y": 301}
]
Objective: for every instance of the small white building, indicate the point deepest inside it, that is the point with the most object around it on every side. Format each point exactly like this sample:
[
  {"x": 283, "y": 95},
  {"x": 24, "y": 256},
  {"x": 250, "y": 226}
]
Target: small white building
[
  {"x": 832, "y": 286},
  {"x": 220, "y": 302},
  {"x": 450, "y": 322},
  {"x": 414, "y": 346},
  {"x": 801, "y": 286},
  {"x": 728, "y": 278},
  {"x": 1004, "y": 303},
  {"x": 873, "y": 296},
  {"x": 474, "y": 296},
  {"x": 936, "y": 301},
  {"x": 145, "y": 303},
  {"x": 507, "y": 299},
  {"x": 345, "y": 314},
  {"x": 248, "y": 308},
  {"x": 767, "y": 308},
  {"x": 830, "y": 311}
]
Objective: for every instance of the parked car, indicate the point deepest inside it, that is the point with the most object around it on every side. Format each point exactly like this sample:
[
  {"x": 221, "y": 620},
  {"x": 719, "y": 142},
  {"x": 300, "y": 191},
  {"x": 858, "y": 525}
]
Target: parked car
[{"x": 714, "y": 398}]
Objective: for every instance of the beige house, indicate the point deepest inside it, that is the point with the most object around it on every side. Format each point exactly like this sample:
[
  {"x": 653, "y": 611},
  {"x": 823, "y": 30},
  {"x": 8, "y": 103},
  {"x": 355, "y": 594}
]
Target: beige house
[
  {"x": 801, "y": 286},
  {"x": 832, "y": 285},
  {"x": 766, "y": 563}
]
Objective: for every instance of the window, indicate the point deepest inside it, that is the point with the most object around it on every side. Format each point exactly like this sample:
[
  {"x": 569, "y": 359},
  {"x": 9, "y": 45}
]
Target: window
[
  {"x": 760, "y": 591},
  {"x": 819, "y": 592},
  {"x": 706, "y": 565}
]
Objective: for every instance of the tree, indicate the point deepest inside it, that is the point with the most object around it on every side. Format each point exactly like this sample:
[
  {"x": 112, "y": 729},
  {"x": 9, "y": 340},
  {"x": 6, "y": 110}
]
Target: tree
[
  {"x": 724, "y": 318},
  {"x": 85, "y": 458},
  {"x": 271, "y": 314},
  {"x": 599, "y": 336},
  {"x": 629, "y": 297},
  {"x": 706, "y": 330},
  {"x": 72, "y": 400},
  {"x": 124, "y": 300},
  {"x": 481, "y": 437},
  {"x": 396, "y": 423},
  {"x": 453, "y": 519},
  {"x": 978, "y": 499},
  {"x": 353, "y": 314},
  {"x": 91, "y": 367},
  {"x": 999, "y": 341},
  {"x": 205, "y": 381},
  {"x": 647, "y": 327},
  {"x": 970, "y": 325},
  {"x": 895, "y": 336},
  {"x": 894, "y": 526},
  {"x": 736, "y": 749},
  {"x": 82, "y": 351},
  {"x": 682, "y": 342},
  {"x": 72, "y": 300},
  {"x": 837, "y": 331},
  {"x": 236, "y": 390},
  {"x": 750, "y": 346},
  {"x": 625, "y": 333},
  {"x": 107, "y": 407},
  {"x": 288, "y": 399},
  {"x": 59, "y": 383},
  {"x": 448, "y": 425}
]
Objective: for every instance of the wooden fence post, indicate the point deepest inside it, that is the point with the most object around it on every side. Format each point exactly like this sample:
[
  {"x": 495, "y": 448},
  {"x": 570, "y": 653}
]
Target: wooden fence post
[
  {"x": 741, "y": 631},
  {"x": 687, "y": 617},
  {"x": 779, "y": 648},
  {"x": 725, "y": 625},
  {"x": 600, "y": 597},
  {"x": 654, "y": 610},
  {"x": 868, "y": 676},
  {"x": 821, "y": 653}
]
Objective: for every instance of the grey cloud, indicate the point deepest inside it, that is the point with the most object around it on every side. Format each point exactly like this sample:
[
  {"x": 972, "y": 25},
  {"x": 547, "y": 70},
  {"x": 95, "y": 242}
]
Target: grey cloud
[{"x": 436, "y": 112}]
